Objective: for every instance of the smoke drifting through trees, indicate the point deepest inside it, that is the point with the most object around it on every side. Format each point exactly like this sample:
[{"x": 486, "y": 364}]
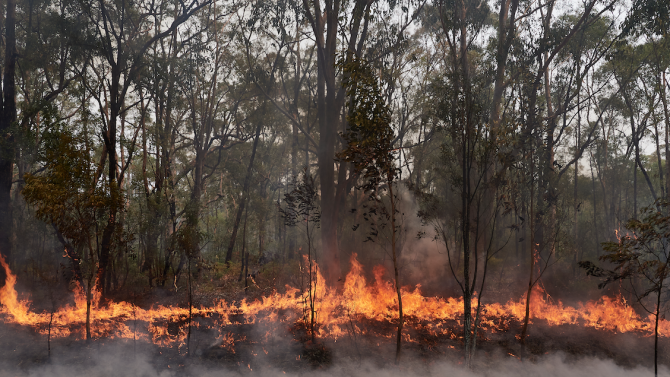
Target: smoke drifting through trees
[{"x": 522, "y": 135}]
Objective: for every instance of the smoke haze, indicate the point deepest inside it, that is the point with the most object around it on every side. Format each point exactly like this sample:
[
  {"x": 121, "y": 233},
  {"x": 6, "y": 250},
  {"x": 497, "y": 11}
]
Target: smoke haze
[
  {"x": 24, "y": 354},
  {"x": 120, "y": 361}
]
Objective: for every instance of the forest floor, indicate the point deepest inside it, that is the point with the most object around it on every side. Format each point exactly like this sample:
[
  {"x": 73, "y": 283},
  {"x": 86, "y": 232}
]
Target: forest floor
[
  {"x": 24, "y": 352},
  {"x": 247, "y": 348}
]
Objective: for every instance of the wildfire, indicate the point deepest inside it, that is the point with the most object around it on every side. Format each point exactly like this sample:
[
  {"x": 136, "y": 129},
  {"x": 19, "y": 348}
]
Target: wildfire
[{"x": 338, "y": 312}]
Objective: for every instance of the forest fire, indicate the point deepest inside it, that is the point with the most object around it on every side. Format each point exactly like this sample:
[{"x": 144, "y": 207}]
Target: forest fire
[
  {"x": 506, "y": 162},
  {"x": 357, "y": 302}
]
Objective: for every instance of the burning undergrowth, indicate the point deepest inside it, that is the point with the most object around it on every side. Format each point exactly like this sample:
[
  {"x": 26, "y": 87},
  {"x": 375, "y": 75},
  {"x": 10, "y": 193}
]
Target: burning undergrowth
[{"x": 354, "y": 323}]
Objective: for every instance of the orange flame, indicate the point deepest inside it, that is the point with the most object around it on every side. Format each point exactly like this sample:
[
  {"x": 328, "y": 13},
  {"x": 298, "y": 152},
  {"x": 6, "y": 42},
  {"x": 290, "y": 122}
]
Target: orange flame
[{"x": 335, "y": 310}]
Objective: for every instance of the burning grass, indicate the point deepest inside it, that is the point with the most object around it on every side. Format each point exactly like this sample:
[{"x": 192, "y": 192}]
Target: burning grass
[{"x": 361, "y": 315}]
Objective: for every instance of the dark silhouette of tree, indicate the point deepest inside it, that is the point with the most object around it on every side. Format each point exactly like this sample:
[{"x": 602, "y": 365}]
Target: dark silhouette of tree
[{"x": 301, "y": 210}]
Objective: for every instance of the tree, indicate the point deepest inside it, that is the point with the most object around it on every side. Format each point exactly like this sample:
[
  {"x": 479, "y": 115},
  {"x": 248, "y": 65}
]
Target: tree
[
  {"x": 541, "y": 132},
  {"x": 124, "y": 32},
  {"x": 371, "y": 152},
  {"x": 213, "y": 98},
  {"x": 245, "y": 193},
  {"x": 642, "y": 257},
  {"x": 334, "y": 24},
  {"x": 65, "y": 196},
  {"x": 474, "y": 137},
  {"x": 284, "y": 75},
  {"x": 301, "y": 210}
]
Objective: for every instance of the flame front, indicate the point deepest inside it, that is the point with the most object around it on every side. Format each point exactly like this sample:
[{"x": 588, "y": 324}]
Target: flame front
[{"x": 337, "y": 312}]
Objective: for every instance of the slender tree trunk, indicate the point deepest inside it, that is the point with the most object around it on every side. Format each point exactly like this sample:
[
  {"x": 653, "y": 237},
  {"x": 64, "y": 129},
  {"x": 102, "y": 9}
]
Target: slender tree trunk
[
  {"x": 666, "y": 117},
  {"x": 658, "y": 313},
  {"x": 244, "y": 249},
  {"x": 109, "y": 138},
  {"x": 245, "y": 194},
  {"x": 291, "y": 231},
  {"x": 638, "y": 162},
  {"x": 246, "y": 270},
  {"x": 192, "y": 210},
  {"x": 477, "y": 320},
  {"x": 51, "y": 319},
  {"x": 526, "y": 318},
  {"x": 575, "y": 229},
  {"x": 396, "y": 276},
  {"x": 190, "y": 311},
  {"x": 595, "y": 217},
  {"x": 634, "y": 136},
  {"x": 464, "y": 134},
  {"x": 659, "y": 160},
  {"x": 153, "y": 202},
  {"x": 89, "y": 288},
  {"x": 546, "y": 211},
  {"x": 312, "y": 284}
]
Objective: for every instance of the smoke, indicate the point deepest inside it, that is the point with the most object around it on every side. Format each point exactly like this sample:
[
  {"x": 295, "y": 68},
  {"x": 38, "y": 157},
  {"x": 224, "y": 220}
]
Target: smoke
[
  {"x": 423, "y": 258},
  {"x": 23, "y": 353},
  {"x": 112, "y": 360},
  {"x": 261, "y": 350},
  {"x": 550, "y": 366}
]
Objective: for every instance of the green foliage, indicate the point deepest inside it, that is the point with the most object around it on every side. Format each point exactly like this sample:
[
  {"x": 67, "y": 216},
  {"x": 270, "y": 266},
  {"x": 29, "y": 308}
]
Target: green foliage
[
  {"x": 370, "y": 144},
  {"x": 477, "y": 14},
  {"x": 189, "y": 236},
  {"x": 641, "y": 253},
  {"x": 65, "y": 194},
  {"x": 648, "y": 16},
  {"x": 370, "y": 136}
]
